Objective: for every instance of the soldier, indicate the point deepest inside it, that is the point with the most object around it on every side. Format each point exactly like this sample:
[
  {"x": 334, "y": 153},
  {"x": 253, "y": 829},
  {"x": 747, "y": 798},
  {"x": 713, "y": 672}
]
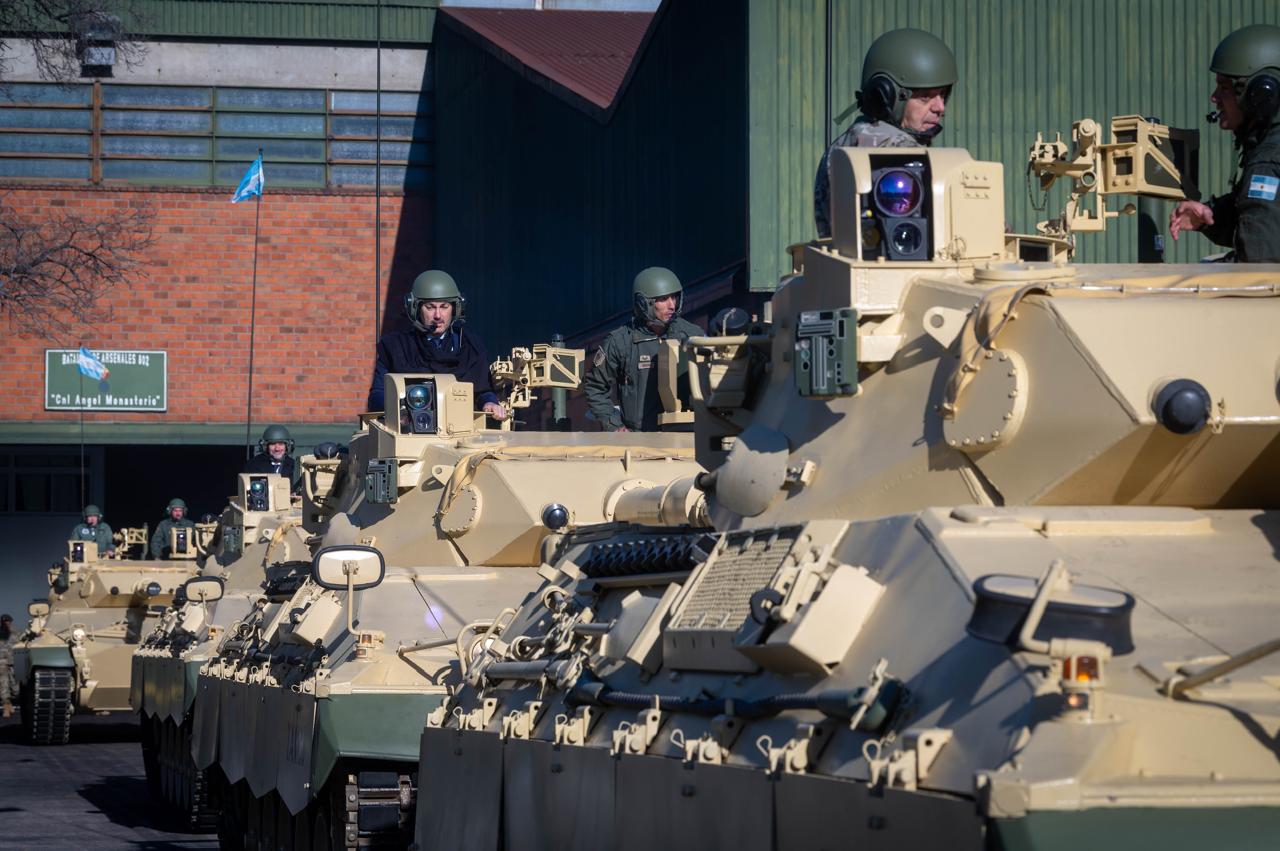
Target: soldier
[
  {"x": 92, "y": 528},
  {"x": 176, "y": 517},
  {"x": 275, "y": 455},
  {"x": 907, "y": 77},
  {"x": 1246, "y": 218},
  {"x": 436, "y": 343},
  {"x": 8, "y": 684},
  {"x": 626, "y": 359}
]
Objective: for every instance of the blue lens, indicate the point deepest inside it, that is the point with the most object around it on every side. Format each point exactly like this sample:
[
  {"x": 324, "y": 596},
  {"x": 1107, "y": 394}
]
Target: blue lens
[
  {"x": 257, "y": 485},
  {"x": 897, "y": 193},
  {"x": 416, "y": 397}
]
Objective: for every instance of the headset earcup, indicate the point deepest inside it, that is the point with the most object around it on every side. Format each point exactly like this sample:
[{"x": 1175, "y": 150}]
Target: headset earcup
[
  {"x": 880, "y": 97},
  {"x": 1262, "y": 97}
]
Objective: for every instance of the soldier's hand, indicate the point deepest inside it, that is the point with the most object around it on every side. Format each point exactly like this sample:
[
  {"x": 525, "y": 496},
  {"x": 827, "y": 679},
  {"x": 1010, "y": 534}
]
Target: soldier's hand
[
  {"x": 495, "y": 410},
  {"x": 621, "y": 428},
  {"x": 1189, "y": 215}
]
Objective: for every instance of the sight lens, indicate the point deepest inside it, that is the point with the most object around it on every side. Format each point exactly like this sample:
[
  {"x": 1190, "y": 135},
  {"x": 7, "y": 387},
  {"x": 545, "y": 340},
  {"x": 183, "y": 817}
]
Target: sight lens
[
  {"x": 907, "y": 238},
  {"x": 417, "y": 397},
  {"x": 897, "y": 193}
]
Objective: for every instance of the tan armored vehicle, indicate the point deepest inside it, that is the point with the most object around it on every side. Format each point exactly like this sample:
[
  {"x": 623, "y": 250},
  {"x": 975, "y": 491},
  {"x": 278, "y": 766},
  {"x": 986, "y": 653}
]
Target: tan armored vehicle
[
  {"x": 259, "y": 546},
  {"x": 311, "y": 712},
  {"x": 75, "y": 654},
  {"x": 996, "y": 561}
]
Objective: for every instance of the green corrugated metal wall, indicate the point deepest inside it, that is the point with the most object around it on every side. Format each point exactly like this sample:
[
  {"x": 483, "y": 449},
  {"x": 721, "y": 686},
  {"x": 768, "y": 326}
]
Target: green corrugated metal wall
[
  {"x": 320, "y": 20},
  {"x": 544, "y": 215},
  {"x": 1025, "y": 65}
]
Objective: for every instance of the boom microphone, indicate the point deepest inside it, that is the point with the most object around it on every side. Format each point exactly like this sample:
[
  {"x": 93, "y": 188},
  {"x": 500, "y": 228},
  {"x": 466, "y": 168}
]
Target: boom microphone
[{"x": 1213, "y": 117}]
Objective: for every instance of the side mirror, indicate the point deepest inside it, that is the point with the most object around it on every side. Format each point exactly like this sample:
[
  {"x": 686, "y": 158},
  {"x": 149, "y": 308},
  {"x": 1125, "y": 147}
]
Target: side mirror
[
  {"x": 348, "y": 567},
  {"x": 203, "y": 589},
  {"x": 37, "y": 608}
]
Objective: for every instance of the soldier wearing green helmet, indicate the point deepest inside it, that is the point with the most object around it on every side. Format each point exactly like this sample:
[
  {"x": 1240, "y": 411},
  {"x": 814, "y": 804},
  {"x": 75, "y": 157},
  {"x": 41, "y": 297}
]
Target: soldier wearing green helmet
[
  {"x": 91, "y": 528},
  {"x": 1246, "y": 218},
  {"x": 907, "y": 76},
  {"x": 175, "y": 516},
  {"x": 626, "y": 359},
  {"x": 437, "y": 342},
  {"x": 275, "y": 455}
]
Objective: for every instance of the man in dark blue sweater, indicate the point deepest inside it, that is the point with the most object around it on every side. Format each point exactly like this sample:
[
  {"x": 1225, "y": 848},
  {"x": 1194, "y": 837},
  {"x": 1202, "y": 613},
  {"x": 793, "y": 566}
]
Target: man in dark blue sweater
[{"x": 436, "y": 343}]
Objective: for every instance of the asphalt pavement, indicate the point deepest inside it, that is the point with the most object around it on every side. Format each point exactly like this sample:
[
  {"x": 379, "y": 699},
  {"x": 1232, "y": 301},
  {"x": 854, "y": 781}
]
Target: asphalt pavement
[{"x": 89, "y": 794}]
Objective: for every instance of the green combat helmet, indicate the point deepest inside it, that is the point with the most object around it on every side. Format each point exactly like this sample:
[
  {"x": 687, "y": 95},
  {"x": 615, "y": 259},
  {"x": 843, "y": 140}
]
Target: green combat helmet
[
  {"x": 651, "y": 284},
  {"x": 1251, "y": 57},
  {"x": 433, "y": 285},
  {"x": 92, "y": 509},
  {"x": 175, "y": 503},
  {"x": 275, "y": 434},
  {"x": 899, "y": 62}
]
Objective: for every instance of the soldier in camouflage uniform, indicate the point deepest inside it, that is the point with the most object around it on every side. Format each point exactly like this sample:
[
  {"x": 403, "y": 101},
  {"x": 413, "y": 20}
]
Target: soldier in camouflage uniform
[
  {"x": 907, "y": 77},
  {"x": 92, "y": 528},
  {"x": 8, "y": 684},
  {"x": 176, "y": 516},
  {"x": 1247, "y": 217},
  {"x": 627, "y": 358}
]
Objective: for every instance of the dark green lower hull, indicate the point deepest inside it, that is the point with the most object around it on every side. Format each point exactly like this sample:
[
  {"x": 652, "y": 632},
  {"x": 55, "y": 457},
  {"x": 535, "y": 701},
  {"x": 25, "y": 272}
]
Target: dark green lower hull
[{"x": 1218, "y": 828}]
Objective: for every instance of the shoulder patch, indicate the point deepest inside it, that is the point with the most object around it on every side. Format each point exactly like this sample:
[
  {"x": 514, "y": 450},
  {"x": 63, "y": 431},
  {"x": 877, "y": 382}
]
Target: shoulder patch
[
  {"x": 1264, "y": 187},
  {"x": 598, "y": 360}
]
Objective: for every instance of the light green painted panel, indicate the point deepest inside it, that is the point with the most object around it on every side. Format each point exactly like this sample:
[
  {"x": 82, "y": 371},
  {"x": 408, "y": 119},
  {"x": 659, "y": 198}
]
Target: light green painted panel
[
  {"x": 1025, "y": 65},
  {"x": 324, "y": 20}
]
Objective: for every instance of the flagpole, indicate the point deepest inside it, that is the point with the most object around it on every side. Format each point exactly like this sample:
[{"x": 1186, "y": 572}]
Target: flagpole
[
  {"x": 253, "y": 320},
  {"x": 377, "y": 180},
  {"x": 83, "y": 501}
]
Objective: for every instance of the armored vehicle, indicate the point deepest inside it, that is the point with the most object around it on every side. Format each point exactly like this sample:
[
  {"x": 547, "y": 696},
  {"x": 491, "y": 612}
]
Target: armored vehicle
[
  {"x": 310, "y": 714},
  {"x": 995, "y": 560},
  {"x": 259, "y": 538},
  {"x": 75, "y": 653}
]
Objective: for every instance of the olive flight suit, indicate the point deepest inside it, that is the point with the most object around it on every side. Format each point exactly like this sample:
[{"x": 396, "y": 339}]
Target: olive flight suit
[
  {"x": 160, "y": 538},
  {"x": 627, "y": 360},
  {"x": 1247, "y": 218},
  {"x": 99, "y": 534}
]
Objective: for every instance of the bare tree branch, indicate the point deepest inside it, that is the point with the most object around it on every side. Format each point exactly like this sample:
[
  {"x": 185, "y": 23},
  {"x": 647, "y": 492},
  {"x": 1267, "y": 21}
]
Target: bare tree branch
[
  {"x": 50, "y": 28},
  {"x": 57, "y": 271}
]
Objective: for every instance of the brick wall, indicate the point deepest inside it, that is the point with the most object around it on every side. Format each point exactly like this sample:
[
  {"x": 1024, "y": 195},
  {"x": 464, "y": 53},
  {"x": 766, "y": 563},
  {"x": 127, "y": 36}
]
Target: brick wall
[{"x": 315, "y": 334}]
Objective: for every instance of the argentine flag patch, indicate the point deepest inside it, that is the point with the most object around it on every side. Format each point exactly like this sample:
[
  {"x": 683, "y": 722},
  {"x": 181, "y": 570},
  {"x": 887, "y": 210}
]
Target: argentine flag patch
[{"x": 1264, "y": 187}]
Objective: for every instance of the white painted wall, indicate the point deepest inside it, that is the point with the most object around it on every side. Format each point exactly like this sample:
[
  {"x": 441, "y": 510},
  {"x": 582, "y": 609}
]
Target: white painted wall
[{"x": 275, "y": 66}]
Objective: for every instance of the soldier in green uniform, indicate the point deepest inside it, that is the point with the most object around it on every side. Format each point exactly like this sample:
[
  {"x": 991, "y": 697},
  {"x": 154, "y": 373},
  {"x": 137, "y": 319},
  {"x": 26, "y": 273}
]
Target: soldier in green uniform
[
  {"x": 907, "y": 77},
  {"x": 176, "y": 516},
  {"x": 92, "y": 528},
  {"x": 627, "y": 359},
  {"x": 8, "y": 684},
  {"x": 1246, "y": 218}
]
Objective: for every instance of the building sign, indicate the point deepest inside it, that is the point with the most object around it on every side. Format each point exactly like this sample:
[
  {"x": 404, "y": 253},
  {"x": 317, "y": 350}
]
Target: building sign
[{"x": 134, "y": 381}]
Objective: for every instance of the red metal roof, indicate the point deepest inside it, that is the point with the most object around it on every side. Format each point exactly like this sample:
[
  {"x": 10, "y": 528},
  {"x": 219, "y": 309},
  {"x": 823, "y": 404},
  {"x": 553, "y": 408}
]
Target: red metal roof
[{"x": 587, "y": 52}]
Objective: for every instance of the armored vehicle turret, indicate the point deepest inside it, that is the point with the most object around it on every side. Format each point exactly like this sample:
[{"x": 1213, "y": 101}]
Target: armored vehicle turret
[
  {"x": 994, "y": 565},
  {"x": 259, "y": 541},
  {"x": 76, "y": 651},
  {"x": 311, "y": 712}
]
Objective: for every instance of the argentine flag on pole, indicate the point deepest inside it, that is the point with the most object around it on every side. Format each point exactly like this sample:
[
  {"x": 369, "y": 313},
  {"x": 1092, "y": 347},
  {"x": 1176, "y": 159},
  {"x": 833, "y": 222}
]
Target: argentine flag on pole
[
  {"x": 90, "y": 366},
  {"x": 252, "y": 184}
]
